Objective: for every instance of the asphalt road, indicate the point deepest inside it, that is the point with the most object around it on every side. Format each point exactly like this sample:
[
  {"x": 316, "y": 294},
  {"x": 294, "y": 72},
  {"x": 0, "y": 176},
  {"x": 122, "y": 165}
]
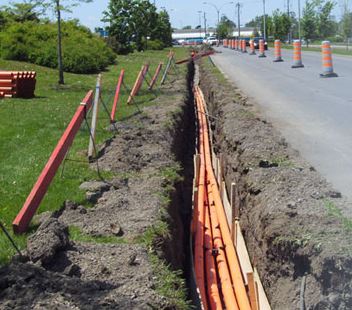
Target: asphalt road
[{"x": 314, "y": 114}]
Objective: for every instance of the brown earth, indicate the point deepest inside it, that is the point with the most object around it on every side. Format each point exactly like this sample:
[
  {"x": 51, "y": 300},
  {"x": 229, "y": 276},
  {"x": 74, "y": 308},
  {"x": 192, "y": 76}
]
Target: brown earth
[
  {"x": 291, "y": 217},
  {"x": 147, "y": 156}
]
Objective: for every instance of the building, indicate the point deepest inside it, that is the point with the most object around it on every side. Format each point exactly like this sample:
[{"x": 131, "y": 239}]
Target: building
[
  {"x": 245, "y": 32},
  {"x": 189, "y": 34}
]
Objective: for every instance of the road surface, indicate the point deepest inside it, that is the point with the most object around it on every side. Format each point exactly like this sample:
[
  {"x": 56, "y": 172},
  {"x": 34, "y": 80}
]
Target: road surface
[{"x": 314, "y": 114}]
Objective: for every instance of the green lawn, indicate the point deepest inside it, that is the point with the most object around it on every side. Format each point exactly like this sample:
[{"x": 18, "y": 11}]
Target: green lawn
[{"x": 30, "y": 129}]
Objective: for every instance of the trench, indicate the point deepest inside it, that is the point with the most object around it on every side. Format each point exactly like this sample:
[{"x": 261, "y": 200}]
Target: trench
[{"x": 176, "y": 250}]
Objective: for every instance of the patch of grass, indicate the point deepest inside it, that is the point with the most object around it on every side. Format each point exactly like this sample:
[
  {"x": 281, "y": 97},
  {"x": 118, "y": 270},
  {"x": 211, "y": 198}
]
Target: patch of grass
[
  {"x": 336, "y": 213},
  {"x": 170, "y": 284},
  {"x": 31, "y": 128},
  {"x": 301, "y": 241},
  {"x": 215, "y": 71},
  {"x": 282, "y": 162},
  {"x": 77, "y": 235},
  {"x": 337, "y": 51}
]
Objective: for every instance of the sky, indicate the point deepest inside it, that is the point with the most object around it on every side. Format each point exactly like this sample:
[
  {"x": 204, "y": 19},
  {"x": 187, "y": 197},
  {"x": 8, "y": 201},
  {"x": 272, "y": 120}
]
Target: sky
[{"x": 185, "y": 12}]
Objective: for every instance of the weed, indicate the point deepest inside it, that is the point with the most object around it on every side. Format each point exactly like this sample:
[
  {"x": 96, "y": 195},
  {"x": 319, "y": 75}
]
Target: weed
[
  {"x": 336, "y": 213},
  {"x": 77, "y": 235},
  {"x": 282, "y": 162}
]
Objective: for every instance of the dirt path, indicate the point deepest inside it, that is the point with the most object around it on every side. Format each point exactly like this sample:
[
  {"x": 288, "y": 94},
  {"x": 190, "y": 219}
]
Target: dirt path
[
  {"x": 115, "y": 254},
  {"x": 296, "y": 234}
]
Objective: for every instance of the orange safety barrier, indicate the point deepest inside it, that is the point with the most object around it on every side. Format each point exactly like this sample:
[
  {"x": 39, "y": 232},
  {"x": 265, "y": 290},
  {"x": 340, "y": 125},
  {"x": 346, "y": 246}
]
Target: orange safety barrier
[
  {"x": 244, "y": 46},
  {"x": 155, "y": 76},
  {"x": 23, "y": 218},
  {"x": 236, "y": 45},
  {"x": 251, "y": 47},
  {"x": 138, "y": 83},
  {"x": 117, "y": 96},
  {"x": 17, "y": 84},
  {"x": 261, "y": 49},
  {"x": 277, "y": 52},
  {"x": 233, "y": 291},
  {"x": 297, "y": 54},
  {"x": 328, "y": 70}
]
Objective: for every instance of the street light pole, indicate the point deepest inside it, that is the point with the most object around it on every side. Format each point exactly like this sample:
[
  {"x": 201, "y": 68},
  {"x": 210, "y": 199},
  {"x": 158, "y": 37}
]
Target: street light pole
[
  {"x": 218, "y": 12},
  {"x": 299, "y": 20},
  {"x": 238, "y": 18},
  {"x": 200, "y": 23},
  {"x": 264, "y": 21}
]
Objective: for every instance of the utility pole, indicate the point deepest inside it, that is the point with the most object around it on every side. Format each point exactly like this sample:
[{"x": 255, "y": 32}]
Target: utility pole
[
  {"x": 264, "y": 21},
  {"x": 200, "y": 23},
  {"x": 205, "y": 24},
  {"x": 238, "y": 19},
  {"x": 299, "y": 20},
  {"x": 288, "y": 16}
]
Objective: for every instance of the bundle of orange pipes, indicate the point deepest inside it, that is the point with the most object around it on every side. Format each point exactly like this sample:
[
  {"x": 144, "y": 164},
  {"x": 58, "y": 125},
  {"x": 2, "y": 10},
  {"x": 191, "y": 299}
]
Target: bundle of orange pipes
[
  {"x": 20, "y": 84},
  {"x": 217, "y": 269}
]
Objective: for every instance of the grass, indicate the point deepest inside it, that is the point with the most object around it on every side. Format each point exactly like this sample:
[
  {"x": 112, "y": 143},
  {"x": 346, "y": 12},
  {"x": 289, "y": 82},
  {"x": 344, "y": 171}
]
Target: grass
[
  {"x": 30, "y": 129},
  {"x": 336, "y": 213},
  {"x": 337, "y": 51},
  {"x": 77, "y": 235}
]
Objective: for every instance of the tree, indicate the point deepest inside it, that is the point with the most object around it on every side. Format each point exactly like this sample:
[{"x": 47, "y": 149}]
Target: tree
[
  {"x": 325, "y": 25},
  {"x": 133, "y": 22},
  {"x": 187, "y": 27},
  {"x": 281, "y": 24},
  {"x": 21, "y": 12},
  {"x": 57, "y": 6},
  {"x": 225, "y": 27},
  {"x": 309, "y": 21},
  {"x": 346, "y": 24}
]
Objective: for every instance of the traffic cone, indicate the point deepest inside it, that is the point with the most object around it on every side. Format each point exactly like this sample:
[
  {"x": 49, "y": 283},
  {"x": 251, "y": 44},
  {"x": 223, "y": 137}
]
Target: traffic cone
[
  {"x": 244, "y": 46},
  {"x": 233, "y": 44},
  {"x": 251, "y": 46},
  {"x": 277, "y": 45},
  {"x": 297, "y": 54},
  {"x": 238, "y": 45},
  {"x": 328, "y": 70},
  {"x": 261, "y": 49}
]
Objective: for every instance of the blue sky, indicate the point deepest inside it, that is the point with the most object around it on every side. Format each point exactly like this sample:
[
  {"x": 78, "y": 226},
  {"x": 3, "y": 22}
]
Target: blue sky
[{"x": 185, "y": 12}]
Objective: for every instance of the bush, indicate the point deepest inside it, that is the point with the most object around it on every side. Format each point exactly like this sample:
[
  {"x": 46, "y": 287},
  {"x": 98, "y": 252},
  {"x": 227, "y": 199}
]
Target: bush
[
  {"x": 155, "y": 45},
  {"x": 34, "y": 42}
]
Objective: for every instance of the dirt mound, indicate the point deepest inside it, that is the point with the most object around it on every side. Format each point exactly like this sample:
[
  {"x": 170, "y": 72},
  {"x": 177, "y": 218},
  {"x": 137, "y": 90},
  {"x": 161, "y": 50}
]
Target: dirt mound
[
  {"x": 295, "y": 230},
  {"x": 115, "y": 256}
]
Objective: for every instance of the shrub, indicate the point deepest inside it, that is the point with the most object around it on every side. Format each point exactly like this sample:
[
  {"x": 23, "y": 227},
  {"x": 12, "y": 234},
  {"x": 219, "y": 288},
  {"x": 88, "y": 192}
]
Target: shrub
[
  {"x": 155, "y": 45},
  {"x": 35, "y": 42}
]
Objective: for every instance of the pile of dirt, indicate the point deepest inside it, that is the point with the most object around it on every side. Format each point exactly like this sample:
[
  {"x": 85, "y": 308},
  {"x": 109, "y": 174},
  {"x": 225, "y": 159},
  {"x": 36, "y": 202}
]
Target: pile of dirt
[
  {"x": 147, "y": 156},
  {"x": 291, "y": 217}
]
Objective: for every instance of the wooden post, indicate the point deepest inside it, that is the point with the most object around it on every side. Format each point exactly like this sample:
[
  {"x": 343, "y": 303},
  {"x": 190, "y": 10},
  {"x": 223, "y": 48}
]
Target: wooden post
[
  {"x": 93, "y": 127},
  {"x": 252, "y": 291},
  {"x": 167, "y": 68},
  {"x": 234, "y": 212}
]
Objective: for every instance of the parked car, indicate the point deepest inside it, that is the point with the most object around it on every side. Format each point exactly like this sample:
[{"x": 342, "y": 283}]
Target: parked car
[
  {"x": 256, "y": 43},
  {"x": 175, "y": 42},
  {"x": 196, "y": 41},
  {"x": 211, "y": 41}
]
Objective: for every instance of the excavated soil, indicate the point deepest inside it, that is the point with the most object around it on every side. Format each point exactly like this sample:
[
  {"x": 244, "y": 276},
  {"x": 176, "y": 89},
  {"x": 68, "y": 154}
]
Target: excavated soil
[
  {"x": 147, "y": 152},
  {"x": 291, "y": 217}
]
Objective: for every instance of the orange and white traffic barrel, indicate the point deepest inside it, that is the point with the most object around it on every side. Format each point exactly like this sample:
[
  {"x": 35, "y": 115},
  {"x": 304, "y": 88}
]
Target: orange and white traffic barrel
[
  {"x": 251, "y": 47},
  {"x": 277, "y": 45},
  {"x": 238, "y": 45},
  {"x": 233, "y": 44},
  {"x": 297, "y": 54},
  {"x": 328, "y": 70},
  {"x": 244, "y": 46},
  {"x": 261, "y": 48}
]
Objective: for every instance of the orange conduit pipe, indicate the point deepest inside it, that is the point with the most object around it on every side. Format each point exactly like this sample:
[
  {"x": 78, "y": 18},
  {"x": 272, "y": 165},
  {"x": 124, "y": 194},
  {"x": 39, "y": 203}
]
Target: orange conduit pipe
[
  {"x": 220, "y": 256},
  {"x": 210, "y": 268},
  {"x": 233, "y": 263},
  {"x": 199, "y": 235}
]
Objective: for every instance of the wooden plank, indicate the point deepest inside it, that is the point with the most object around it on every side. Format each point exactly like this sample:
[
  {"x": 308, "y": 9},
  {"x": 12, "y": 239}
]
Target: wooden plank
[
  {"x": 23, "y": 218},
  {"x": 242, "y": 253},
  {"x": 227, "y": 205},
  {"x": 252, "y": 291},
  {"x": 166, "y": 72},
  {"x": 263, "y": 301},
  {"x": 155, "y": 77},
  {"x": 93, "y": 126}
]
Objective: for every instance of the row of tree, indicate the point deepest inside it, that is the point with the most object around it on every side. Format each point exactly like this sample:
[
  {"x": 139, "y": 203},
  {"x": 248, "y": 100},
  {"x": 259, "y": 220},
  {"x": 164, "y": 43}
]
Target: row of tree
[
  {"x": 317, "y": 22},
  {"x": 136, "y": 24}
]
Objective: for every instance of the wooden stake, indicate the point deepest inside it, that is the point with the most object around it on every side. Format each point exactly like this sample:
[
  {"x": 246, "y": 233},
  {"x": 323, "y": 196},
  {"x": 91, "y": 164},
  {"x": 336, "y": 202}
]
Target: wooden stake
[{"x": 93, "y": 127}]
